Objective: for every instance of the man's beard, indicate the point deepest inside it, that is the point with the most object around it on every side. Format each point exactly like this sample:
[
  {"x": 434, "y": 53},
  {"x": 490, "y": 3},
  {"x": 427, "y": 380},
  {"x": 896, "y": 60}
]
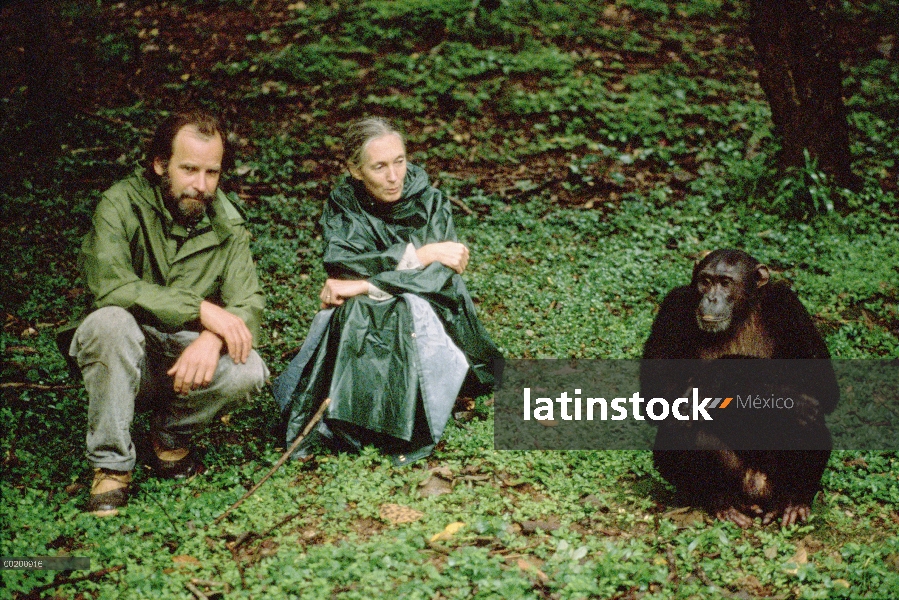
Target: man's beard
[{"x": 187, "y": 208}]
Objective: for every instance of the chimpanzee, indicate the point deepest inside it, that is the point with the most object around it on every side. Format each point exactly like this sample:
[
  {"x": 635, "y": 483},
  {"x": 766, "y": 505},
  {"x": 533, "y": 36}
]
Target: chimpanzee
[{"x": 736, "y": 465}]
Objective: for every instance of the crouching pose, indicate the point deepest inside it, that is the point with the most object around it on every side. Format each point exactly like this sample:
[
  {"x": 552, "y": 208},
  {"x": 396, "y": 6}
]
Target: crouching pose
[
  {"x": 177, "y": 308},
  {"x": 397, "y": 336},
  {"x": 766, "y": 447}
]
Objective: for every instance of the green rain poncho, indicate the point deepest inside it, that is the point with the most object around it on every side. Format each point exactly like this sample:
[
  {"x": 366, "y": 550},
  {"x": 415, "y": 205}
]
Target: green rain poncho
[{"x": 393, "y": 367}]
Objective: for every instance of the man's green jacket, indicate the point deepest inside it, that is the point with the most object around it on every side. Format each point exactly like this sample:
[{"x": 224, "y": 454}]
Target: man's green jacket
[{"x": 137, "y": 257}]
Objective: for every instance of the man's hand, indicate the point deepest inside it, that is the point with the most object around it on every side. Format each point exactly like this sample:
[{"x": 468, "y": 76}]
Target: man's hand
[
  {"x": 452, "y": 254},
  {"x": 230, "y": 328},
  {"x": 197, "y": 363},
  {"x": 336, "y": 291}
]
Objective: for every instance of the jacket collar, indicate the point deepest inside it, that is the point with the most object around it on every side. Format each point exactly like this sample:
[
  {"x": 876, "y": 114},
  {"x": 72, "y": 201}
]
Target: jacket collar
[{"x": 414, "y": 184}]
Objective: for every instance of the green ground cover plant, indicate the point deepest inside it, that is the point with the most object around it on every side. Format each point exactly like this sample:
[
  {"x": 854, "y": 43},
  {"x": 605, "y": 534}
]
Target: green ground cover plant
[{"x": 593, "y": 151}]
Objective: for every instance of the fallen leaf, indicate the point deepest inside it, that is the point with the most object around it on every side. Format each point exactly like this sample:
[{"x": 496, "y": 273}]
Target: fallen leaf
[
  {"x": 751, "y": 584},
  {"x": 442, "y": 471},
  {"x": 464, "y": 416},
  {"x": 465, "y": 403},
  {"x": 396, "y": 514},
  {"x": 801, "y": 556},
  {"x": 798, "y": 559},
  {"x": 434, "y": 486},
  {"x": 892, "y": 560},
  {"x": 686, "y": 516},
  {"x": 529, "y": 567},
  {"x": 185, "y": 559},
  {"x": 447, "y": 532},
  {"x": 545, "y": 525},
  {"x": 21, "y": 349}
]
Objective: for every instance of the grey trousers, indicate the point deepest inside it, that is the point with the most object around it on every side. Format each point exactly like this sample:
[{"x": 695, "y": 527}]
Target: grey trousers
[{"x": 124, "y": 365}]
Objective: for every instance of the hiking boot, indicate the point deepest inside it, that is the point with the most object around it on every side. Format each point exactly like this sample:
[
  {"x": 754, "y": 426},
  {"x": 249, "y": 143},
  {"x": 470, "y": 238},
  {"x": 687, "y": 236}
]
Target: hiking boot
[
  {"x": 109, "y": 492},
  {"x": 177, "y": 463}
]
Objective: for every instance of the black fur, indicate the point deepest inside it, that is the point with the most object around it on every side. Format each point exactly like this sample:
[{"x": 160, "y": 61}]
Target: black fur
[{"x": 698, "y": 457}]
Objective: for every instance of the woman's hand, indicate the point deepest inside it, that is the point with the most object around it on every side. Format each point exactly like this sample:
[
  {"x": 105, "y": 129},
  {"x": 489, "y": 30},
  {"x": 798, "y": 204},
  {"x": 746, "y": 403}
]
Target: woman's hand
[
  {"x": 452, "y": 254},
  {"x": 336, "y": 291}
]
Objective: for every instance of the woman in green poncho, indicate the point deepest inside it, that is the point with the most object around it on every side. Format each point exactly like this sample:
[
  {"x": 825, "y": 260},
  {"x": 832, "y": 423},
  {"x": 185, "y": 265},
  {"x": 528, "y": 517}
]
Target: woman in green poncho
[{"x": 397, "y": 335}]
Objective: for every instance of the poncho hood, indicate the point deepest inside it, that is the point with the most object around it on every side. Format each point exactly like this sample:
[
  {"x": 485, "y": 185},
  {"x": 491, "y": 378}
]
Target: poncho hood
[{"x": 352, "y": 191}]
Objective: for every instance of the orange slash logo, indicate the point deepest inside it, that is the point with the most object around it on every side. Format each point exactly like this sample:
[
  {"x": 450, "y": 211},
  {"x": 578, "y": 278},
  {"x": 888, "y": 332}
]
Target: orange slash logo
[{"x": 718, "y": 401}]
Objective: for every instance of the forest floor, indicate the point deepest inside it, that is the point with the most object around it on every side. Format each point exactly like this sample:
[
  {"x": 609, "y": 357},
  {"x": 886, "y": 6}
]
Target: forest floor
[{"x": 592, "y": 151}]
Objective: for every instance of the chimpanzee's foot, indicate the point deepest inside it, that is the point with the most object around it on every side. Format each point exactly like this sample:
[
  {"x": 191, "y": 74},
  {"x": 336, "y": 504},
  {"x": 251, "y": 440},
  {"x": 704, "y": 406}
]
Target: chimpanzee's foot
[
  {"x": 791, "y": 514},
  {"x": 733, "y": 515}
]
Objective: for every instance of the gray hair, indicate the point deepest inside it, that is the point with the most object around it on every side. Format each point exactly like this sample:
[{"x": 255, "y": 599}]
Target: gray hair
[{"x": 361, "y": 132}]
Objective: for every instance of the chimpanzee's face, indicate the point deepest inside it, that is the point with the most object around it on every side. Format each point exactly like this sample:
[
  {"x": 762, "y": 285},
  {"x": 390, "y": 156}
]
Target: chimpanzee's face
[
  {"x": 727, "y": 282},
  {"x": 723, "y": 288}
]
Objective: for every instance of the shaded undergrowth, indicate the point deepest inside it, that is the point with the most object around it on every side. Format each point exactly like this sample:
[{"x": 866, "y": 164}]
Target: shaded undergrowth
[{"x": 592, "y": 151}]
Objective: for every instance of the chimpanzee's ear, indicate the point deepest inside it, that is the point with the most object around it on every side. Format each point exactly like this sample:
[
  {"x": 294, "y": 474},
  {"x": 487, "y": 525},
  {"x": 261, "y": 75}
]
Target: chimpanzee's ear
[
  {"x": 762, "y": 275},
  {"x": 698, "y": 261}
]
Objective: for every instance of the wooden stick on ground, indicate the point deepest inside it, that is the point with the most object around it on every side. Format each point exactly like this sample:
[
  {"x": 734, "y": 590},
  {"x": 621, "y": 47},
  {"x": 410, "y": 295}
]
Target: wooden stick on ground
[
  {"x": 196, "y": 591},
  {"x": 312, "y": 422},
  {"x": 93, "y": 576},
  {"x": 35, "y": 386}
]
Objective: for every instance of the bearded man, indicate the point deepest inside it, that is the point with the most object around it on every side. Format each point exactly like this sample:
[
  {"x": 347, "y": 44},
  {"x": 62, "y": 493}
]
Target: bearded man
[{"x": 177, "y": 308}]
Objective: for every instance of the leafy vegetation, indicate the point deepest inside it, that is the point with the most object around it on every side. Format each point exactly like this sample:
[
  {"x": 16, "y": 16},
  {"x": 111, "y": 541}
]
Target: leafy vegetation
[{"x": 593, "y": 150}]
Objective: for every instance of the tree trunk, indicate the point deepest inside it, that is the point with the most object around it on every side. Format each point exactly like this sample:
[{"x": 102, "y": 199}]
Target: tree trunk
[{"x": 800, "y": 73}]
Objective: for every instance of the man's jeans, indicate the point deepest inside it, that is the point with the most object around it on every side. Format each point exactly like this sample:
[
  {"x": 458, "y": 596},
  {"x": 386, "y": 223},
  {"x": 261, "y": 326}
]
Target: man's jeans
[{"x": 124, "y": 363}]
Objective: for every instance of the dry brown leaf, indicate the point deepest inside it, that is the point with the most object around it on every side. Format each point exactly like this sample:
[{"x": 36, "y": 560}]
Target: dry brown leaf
[
  {"x": 801, "y": 556},
  {"x": 434, "y": 486},
  {"x": 529, "y": 567},
  {"x": 442, "y": 471},
  {"x": 396, "y": 513},
  {"x": 550, "y": 523},
  {"x": 185, "y": 559}
]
